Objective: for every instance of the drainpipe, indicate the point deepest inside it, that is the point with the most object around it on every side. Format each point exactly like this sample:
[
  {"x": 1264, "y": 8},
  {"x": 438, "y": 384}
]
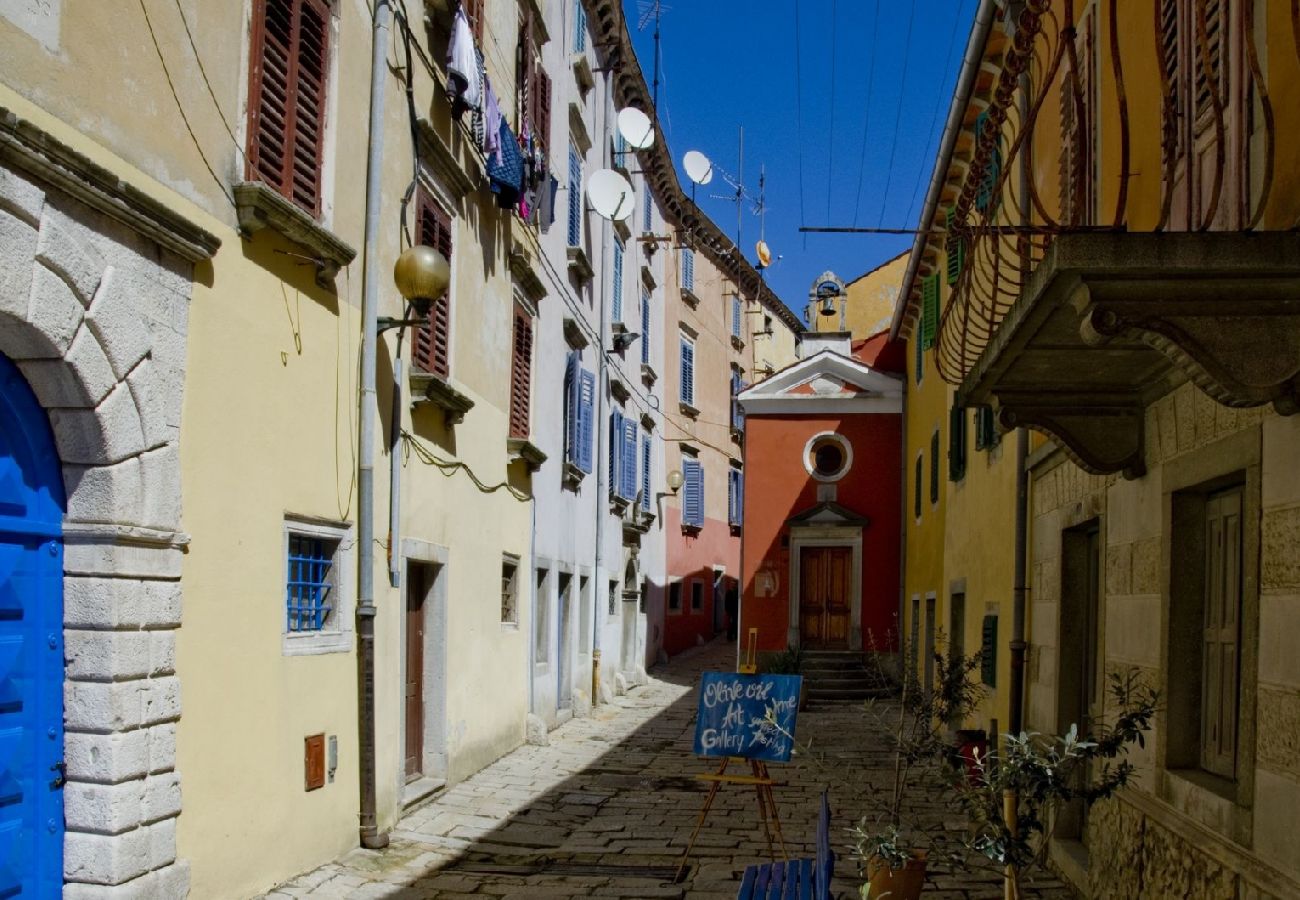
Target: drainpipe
[
  {"x": 952, "y": 128},
  {"x": 371, "y": 836},
  {"x": 601, "y": 466},
  {"x": 902, "y": 501}
]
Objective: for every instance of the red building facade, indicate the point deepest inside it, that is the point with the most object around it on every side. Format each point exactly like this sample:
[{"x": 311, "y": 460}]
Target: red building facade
[{"x": 822, "y": 516}]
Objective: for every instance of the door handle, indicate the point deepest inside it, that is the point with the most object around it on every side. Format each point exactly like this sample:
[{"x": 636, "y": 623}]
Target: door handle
[{"x": 60, "y": 769}]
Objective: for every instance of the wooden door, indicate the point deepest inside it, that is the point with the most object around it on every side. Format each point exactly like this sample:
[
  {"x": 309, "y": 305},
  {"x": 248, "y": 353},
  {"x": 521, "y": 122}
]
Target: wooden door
[
  {"x": 825, "y": 585},
  {"x": 417, "y": 586}
]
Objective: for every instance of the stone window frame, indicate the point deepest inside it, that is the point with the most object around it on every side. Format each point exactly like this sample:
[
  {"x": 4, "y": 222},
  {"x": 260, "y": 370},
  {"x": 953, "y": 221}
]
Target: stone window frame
[
  {"x": 1224, "y": 806},
  {"x": 336, "y": 636}
]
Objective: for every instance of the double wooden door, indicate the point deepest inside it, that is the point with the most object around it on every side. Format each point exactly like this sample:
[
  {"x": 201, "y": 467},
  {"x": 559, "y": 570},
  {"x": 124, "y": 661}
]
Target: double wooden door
[
  {"x": 825, "y": 592},
  {"x": 417, "y": 586}
]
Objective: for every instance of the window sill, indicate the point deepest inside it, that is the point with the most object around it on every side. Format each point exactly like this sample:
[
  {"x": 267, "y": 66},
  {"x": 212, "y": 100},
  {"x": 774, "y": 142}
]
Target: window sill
[
  {"x": 688, "y": 410},
  {"x": 648, "y": 374},
  {"x": 689, "y": 298},
  {"x": 573, "y": 476},
  {"x": 648, "y": 278},
  {"x": 582, "y": 74},
  {"x": 521, "y": 449},
  {"x": 435, "y": 390},
  {"x": 619, "y": 390},
  {"x": 579, "y": 265},
  {"x": 620, "y": 225},
  {"x": 737, "y": 343},
  {"x": 258, "y": 207},
  {"x": 692, "y": 530},
  {"x": 737, "y": 435},
  {"x": 736, "y": 529},
  {"x": 316, "y": 643},
  {"x": 574, "y": 335}
]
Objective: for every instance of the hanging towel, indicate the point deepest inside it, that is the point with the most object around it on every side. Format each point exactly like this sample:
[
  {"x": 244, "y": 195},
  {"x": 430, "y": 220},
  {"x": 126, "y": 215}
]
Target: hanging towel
[
  {"x": 506, "y": 175},
  {"x": 546, "y": 210},
  {"x": 463, "y": 88},
  {"x": 477, "y": 117},
  {"x": 492, "y": 124}
]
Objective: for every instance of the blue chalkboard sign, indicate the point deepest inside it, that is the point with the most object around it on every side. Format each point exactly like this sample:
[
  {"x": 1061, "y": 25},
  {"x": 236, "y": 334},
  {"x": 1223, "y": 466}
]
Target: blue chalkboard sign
[{"x": 732, "y": 719}]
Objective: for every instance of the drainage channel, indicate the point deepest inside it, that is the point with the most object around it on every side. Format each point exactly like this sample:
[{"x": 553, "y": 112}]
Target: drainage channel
[{"x": 560, "y": 867}]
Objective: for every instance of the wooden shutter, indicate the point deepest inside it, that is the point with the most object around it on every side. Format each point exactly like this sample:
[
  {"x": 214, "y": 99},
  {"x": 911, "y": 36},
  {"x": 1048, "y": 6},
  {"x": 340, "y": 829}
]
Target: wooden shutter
[
  {"x": 916, "y": 484},
  {"x": 542, "y": 107},
  {"x": 693, "y": 493},
  {"x": 956, "y": 443},
  {"x": 934, "y": 467},
  {"x": 984, "y": 195},
  {"x": 929, "y": 310},
  {"x": 954, "y": 249},
  {"x": 645, "y": 327},
  {"x": 1078, "y": 189},
  {"x": 431, "y": 349},
  {"x": 989, "y": 652},
  {"x": 1221, "y": 639},
  {"x": 575, "y": 197},
  {"x": 688, "y": 372},
  {"x": 688, "y": 269},
  {"x": 586, "y": 418},
  {"x": 627, "y": 459},
  {"x": 737, "y": 316},
  {"x": 290, "y": 53},
  {"x": 646, "y": 459},
  {"x": 474, "y": 12},
  {"x": 617, "y": 301},
  {"x": 572, "y": 411},
  {"x": 615, "y": 447},
  {"x": 521, "y": 374}
]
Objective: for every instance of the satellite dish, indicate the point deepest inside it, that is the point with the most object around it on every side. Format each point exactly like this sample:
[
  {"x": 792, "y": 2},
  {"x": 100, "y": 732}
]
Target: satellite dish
[
  {"x": 636, "y": 128},
  {"x": 764, "y": 255},
  {"x": 610, "y": 195},
  {"x": 698, "y": 167}
]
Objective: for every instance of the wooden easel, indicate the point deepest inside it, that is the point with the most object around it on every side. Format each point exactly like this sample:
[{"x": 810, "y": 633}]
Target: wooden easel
[{"x": 758, "y": 777}]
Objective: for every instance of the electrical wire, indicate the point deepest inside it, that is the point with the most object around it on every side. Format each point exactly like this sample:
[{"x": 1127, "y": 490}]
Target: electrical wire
[
  {"x": 412, "y": 445},
  {"x": 798, "y": 116},
  {"x": 203, "y": 72},
  {"x": 221, "y": 185},
  {"x": 866, "y": 116},
  {"x": 898, "y": 118},
  {"x": 830, "y": 142},
  {"x": 943, "y": 96}
]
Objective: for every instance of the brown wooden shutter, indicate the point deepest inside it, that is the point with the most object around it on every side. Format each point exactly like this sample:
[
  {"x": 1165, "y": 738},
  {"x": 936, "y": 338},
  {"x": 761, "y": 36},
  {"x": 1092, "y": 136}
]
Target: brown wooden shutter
[
  {"x": 542, "y": 112},
  {"x": 1079, "y": 128},
  {"x": 290, "y": 52},
  {"x": 1221, "y": 640},
  {"x": 474, "y": 12},
  {"x": 431, "y": 350},
  {"x": 521, "y": 373}
]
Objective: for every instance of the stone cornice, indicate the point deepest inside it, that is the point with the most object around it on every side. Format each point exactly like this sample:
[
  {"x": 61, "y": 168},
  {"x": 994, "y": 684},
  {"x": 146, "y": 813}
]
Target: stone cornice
[{"x": 40, "y": 154}]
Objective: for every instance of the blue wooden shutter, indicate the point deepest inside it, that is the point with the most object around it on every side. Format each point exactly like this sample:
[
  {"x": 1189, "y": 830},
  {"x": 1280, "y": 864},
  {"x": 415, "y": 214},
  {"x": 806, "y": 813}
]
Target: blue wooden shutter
[
  {"x": 572, "y": 412},
  {"x": 615, "y": 445},
  {"x": 647, "y": 205},
  {"x": 737, "y": 315},
  {"x": 693, "y": 493},
  {"x": 587, "y": 412},
  {"x": 575, "y": 197},
  {"x": 617, "y": 315},
  {"x": 688, "y": 373},
  {"x": 645, "y": 327},
  {"x": 731, "y": 496},
  {"x": 737, "y": 411},
  {"x": 646, "y": 450},
  {"x": 579, "y": 28},
  {"x": 627, "y": 460},
  {"x": 688, "y": 269}
]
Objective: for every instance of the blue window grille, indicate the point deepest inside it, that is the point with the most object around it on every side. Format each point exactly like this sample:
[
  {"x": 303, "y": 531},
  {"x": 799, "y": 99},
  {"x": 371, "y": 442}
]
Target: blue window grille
[
  {"x": 579, "y": 28},
  {"x": 648, "y": 209},
  {"x": 310, "y": 582},
  {"x": 618, "y": 281},
  {"x": 645, "y": 327},
  {"x": 687, "y": 392},
  {"x": 575, "y": 197},
  {"x": 692, "y": 493},
  {"x": 688, "y": 270},
  {"x": 737, "y": 315},
  {"x": 646, "y": 459}
]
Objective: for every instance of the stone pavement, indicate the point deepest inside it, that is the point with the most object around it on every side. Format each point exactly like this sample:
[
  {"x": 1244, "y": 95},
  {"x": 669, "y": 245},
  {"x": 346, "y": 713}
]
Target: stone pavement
[{"x": 607, "y": 808}]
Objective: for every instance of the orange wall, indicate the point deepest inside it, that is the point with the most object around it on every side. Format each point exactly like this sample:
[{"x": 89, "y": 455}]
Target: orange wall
[
  {"x": 691, "y": 558},
  {"x": 777, "y": 486}
]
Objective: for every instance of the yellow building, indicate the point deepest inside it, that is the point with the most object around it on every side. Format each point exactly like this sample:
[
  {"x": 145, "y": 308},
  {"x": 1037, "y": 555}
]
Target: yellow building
[{"x": 1109, "y": 236}]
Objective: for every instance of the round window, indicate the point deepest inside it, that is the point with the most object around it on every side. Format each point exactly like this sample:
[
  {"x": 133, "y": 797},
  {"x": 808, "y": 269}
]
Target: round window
[{"x": 827, "y": 457}]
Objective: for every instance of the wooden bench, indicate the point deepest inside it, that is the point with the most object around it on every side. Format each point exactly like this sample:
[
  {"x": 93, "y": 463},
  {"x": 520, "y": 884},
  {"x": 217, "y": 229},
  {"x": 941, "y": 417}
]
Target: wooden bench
[{"x": 795, "y": 879}]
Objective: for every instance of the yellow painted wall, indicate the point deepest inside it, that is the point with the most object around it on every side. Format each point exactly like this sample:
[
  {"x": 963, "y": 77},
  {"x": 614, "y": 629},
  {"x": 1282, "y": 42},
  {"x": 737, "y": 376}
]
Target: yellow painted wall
[{"x": 871, "y": 298}]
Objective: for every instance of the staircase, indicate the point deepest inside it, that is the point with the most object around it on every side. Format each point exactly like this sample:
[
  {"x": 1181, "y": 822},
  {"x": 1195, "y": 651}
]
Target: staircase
[{"x": 840, "y": 675}]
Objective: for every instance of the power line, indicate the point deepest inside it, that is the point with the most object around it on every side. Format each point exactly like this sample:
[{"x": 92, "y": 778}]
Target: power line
[
  {"x": 938, "y": 107},
  {"x": 830, "y": 143},
  {"x": 798, "y": 112},
  {"x": 898, "y": 118},
  {"x": 866, "y": 116},
  {"x": 203, "y": 72}
]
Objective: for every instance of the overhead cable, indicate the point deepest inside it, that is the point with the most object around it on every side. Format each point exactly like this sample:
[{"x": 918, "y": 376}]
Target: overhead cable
[
  {"x": 898, "y": 118},
  {"x": 866, "y": 116}
]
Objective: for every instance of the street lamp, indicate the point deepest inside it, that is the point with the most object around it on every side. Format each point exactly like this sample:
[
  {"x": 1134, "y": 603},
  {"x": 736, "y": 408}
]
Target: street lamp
[
  {"x": 675, "y": 480},
  {"x": 421, "y": 275}
]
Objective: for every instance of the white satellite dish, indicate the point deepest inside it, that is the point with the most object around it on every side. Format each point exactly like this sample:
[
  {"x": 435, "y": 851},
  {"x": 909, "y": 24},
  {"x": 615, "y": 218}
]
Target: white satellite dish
[
  {"x": 610, "y": 195},
  {"x": 636, "y": 128},
  {"x": 764, "y": 255},
  {"x": 698, "y": 167}
]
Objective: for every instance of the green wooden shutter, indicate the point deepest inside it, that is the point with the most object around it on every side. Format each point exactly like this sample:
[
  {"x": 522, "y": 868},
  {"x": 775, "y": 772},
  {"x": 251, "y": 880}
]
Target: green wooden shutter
[
  {"x": 929, "y": 311},
  {"x": 984, "y": 197},
  {"x": 957, "y": 443},
  {"x": 954, "y": 250}
]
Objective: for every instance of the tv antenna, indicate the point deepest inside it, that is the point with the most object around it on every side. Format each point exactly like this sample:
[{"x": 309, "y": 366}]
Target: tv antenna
[{"x": 652, "y": 9}]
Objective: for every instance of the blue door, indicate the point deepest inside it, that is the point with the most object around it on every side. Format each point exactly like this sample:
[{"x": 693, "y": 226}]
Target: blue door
[{"x": 31, "y": 646}]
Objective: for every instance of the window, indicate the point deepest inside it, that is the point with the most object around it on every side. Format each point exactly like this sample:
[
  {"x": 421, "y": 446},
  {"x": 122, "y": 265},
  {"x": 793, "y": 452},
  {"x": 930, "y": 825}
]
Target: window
[
  {"x": 586, "y": 606},
  {"x": 579, "y": 411},
  {"x": 934, "y": 467},
  {"x": 645, "y": 327},
  {"x": 989, "y": 652},
  {"x": 317, "y": 613},
  {"x": 954, "y": 251},
  {"x": 647, "y": 450},
  {"x": 916, "y": 485},
  {"x": 828, "y": 456},
  {"x": 692, "y": 493},
  {"x": 617, "y": 302},
  {"x": 984, "y": 195},
  {"x": 735, "y": 497},
  {"x": 287, "y": 102},
  {"x": 929, "y": 310},
  {"x": 509, "y": 591},
  {"x": 474, "y": 12},
  {"x": 521, "y": 373},
  {"x": 534, "y": 85},
  {"x": 737, "y": 316},
  {"x": 737, "y": 411},
  {"x": 687, "y": 386},
  {"x": 613, "y": 597},
  {"x": 688, "y": 269},
  {"x": 431, "y": 346},
  {"x": 956, "y": 443},
  {"x": 697, "y": 595},
  {"x": 675, "y": 597},
  {"x": 986, "y": 429},
  {"x": 648, "y": 207},
  {"x": 542, "y": 617},
  {"x": 918, "y": 349},
  {"x": 622, "y": 456},
  {"x": 575, "y": 197},
  {"x": 579, "y": 28}
]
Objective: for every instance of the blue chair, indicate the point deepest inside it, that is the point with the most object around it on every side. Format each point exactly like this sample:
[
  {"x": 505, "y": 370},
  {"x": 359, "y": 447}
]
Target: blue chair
[{"x": 796, "y": 879}]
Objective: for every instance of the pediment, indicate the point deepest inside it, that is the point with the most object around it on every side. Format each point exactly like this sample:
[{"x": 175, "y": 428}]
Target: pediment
[
  {"x": 829, "y": 513},
  {"x": 827, "y": 377}
]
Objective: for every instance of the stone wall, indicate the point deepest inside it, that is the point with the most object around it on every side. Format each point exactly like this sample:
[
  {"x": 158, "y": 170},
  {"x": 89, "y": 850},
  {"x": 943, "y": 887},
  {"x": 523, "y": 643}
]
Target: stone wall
[{"x": 94, "y": 314}]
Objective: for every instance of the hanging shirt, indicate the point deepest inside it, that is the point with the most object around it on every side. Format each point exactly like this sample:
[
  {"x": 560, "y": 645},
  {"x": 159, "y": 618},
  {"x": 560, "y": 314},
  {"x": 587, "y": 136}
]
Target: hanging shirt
[
  {"x": 506, "y": 175},
  {"x": 492, "y": 124},
  {"x": 464, "y": 89}
]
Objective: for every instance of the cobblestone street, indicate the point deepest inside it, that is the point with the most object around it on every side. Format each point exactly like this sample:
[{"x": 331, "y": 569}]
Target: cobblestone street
[{"x": 607, "y": 808}]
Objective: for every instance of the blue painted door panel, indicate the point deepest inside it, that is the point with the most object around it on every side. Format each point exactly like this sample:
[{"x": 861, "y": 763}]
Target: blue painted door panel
[{"x": 31, "y": 646}]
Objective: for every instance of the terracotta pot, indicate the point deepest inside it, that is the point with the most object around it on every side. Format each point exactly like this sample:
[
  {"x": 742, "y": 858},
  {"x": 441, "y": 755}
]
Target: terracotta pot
[{"x": 897, "y": 884}]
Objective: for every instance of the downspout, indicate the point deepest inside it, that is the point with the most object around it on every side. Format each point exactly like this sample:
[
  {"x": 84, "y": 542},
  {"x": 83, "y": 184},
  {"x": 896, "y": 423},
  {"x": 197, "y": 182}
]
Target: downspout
[
  {"x": 952, "y": 128},
  {"x": 902, "y": 503},
  {"x": 371, "y": 837},
  {"x": 599, "y": 463}
]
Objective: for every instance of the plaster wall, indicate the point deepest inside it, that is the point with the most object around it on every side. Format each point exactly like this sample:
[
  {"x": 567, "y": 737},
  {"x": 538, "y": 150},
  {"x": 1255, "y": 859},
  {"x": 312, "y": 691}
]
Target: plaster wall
[{"x": 925, "y": 411}]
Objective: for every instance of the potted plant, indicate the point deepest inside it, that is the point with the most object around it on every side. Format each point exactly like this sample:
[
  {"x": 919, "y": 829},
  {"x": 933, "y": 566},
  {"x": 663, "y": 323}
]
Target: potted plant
[{"x": 788, "y": 662}]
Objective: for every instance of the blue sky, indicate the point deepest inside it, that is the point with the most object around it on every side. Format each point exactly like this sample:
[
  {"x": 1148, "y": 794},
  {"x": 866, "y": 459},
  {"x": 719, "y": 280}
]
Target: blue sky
[{"x": 732, "y": 63}]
